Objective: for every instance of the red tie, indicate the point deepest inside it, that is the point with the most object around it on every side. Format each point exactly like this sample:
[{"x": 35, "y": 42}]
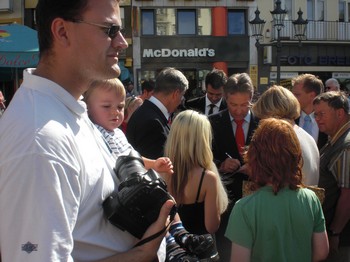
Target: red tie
[{"x": 240, "y": 135}]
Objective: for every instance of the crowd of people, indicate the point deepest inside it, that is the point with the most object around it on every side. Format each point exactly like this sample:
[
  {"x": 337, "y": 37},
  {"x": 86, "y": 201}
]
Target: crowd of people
[{"x": 68, "y": 124}]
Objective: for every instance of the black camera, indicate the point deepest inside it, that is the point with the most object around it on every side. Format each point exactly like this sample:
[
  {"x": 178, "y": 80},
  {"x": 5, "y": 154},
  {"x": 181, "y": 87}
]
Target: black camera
[{"x": 139, "y": 198}]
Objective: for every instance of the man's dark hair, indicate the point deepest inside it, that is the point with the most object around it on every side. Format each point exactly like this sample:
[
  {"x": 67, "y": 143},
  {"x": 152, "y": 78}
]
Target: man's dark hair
[
  {"x": 216, "y": 78},
  {"x": 334, "y": 99},
  {"x": 147, "y": 85},
  {"x": 48, "y": 10}
]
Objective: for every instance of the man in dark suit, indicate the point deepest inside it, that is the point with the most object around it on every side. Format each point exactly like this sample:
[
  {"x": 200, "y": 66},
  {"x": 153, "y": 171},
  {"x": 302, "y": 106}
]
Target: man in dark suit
[
  {"x": 147, "y": 132},
  {"x": 238, "y": 92},
  {"x": 148, "y": 127},
  {"x": 305, "y": 88},
  {"x": 213, "y": 101}
]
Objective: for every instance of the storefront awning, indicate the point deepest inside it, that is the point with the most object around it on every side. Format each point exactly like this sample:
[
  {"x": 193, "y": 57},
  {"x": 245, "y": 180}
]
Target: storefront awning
[{"x": 19, "y": 46}]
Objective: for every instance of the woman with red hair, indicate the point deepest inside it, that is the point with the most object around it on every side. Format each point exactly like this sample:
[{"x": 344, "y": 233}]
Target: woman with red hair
[{"x": 281, "y": 220}]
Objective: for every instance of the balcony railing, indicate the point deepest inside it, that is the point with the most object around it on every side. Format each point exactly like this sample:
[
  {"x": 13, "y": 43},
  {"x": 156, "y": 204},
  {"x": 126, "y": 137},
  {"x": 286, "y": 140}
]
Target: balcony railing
[{"x": 317, "y": 30}]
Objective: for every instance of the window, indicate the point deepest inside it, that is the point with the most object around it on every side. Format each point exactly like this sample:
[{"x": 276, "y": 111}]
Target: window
[
  {"x": 342, "y": 6},
  {"x": 165, "y": 21},
  {"x": 237, "y": 22},
  {"x": 287, "y": 5},
  {"x": 204, "y": 21},
  {"x": 170, "y": 21},
  {"x": 315, "y": 10},
  {"x": 186, "y": 22},
  {"x": 147, "y": 22}
]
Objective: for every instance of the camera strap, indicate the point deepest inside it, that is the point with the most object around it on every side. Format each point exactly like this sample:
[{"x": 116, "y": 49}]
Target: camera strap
[{"x": 150, "y": 238}]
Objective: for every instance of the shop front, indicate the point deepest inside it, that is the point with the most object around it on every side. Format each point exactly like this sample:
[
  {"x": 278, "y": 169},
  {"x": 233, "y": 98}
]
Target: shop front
[
  {"x": 194, "y": 56},
  {"x": 323, "y": 60}
]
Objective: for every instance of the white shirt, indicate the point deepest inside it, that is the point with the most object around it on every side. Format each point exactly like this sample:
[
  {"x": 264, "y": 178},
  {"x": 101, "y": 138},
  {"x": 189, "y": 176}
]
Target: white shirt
[
  {"x": 216, "y": 109},
  {"x": 314, "y": 130},
  {"x": 311, "y": 157},
  {"x": 55, "y": 173},
  {"x": 160, "y": 106}
]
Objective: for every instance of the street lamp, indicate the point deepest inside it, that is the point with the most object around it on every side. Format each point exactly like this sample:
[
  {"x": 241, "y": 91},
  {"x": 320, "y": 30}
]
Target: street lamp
[{"x": 278, "y": 15}]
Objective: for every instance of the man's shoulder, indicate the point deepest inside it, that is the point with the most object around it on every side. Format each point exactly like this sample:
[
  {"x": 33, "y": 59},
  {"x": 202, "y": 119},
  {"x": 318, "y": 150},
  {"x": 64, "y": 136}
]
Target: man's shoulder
[
  {"x": 194, "y": 101},
  {"x": 219, "y": 118}
]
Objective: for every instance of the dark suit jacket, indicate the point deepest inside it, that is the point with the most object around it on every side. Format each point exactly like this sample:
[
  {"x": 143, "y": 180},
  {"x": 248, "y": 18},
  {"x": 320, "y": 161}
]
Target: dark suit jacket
[
  {"x": 224, "y": 142},
  {"x": 224, "y": 139},
  {"x": 198, "y": 104},
  {"x": 322, "y": 137},
  {"x": 148, "y": 130}
]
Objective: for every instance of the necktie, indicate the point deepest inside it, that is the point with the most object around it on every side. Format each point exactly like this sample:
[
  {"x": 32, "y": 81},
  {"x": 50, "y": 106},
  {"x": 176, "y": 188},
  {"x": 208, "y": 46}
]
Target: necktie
[
  {"x": 307, "y": 124},
  {"x": 211, "y": 110},
  {"x": 240, "y": 135}
]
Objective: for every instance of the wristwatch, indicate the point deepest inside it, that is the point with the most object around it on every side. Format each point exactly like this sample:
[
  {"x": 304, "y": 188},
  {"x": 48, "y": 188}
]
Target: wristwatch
[{"x": 331, "y": 233}]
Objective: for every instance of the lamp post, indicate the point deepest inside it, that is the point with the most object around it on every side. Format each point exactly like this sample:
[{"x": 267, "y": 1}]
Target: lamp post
[{"x": 278, "y": 15}]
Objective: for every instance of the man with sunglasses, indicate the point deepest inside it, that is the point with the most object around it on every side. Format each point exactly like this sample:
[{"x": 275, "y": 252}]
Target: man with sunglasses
[{"x": 55, "y": 170}]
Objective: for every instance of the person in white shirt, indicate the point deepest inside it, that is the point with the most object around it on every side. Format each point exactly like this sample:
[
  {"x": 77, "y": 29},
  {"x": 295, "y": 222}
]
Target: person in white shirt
[
  {"x": 305, "y": 88},
  {"x": 55, "y": 168}
]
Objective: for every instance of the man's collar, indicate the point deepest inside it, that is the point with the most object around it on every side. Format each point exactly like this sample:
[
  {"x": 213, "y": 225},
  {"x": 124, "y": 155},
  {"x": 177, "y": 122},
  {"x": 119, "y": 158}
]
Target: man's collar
[
  {"x": 160, "y": 105},
  {"x": 340, "y": 132},
  {"x": 208, "y": 102}
]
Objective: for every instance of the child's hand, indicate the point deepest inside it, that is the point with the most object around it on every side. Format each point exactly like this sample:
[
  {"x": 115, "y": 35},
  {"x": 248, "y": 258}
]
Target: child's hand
[{"x": 163, "y": 165}]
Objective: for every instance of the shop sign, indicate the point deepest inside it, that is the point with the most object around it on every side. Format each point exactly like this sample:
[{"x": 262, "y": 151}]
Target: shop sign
[
  {"x": 167, "y": 49},
  {"x": 18, "y": 60},
  {"x": 166, "y": 52},
  {"x": 341, "y": 75},
  {"x": 321, "y": 60}
]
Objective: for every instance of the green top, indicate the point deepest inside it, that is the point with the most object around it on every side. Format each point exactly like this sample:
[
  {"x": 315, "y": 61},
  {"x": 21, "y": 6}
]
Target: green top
[{"x": 277, "y": 227}]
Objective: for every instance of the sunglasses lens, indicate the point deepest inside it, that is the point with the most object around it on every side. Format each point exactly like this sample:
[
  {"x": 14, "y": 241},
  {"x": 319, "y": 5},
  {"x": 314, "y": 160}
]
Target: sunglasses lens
[{"x": 113, "y": 31}]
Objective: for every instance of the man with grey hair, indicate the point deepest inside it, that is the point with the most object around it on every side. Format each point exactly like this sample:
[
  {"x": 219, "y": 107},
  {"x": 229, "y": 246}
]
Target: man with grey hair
[
  {"x": 148, "y": 127},
  {"x": 332, "y": 115},
  {"x": 331, "y": 84}
]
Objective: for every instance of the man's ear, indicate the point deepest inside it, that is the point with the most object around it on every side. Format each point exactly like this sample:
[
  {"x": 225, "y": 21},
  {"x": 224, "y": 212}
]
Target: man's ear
[
  {"x": 59, "y": 30},
  {"x": 340, "y": 113}
]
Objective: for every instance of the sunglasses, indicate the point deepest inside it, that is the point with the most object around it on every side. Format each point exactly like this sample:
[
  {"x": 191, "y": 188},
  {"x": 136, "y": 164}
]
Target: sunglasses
[{"x": 112, "y": 30}]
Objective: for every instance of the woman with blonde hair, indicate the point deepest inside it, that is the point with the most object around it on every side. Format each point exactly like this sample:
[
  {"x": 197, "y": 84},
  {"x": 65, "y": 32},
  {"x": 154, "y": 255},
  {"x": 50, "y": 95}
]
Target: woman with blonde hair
[
  {"x": 279, "y": 102},
  {"x": 195, "y": 184}
]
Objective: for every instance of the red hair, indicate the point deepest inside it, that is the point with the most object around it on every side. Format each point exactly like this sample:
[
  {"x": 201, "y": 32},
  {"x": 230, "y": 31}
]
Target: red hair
[{"x": 274, "y": 156}]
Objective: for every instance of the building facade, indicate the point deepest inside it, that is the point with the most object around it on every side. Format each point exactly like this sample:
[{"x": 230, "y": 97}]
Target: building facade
[
  {"x": 192, "y": 36},
  {"x": 324, "y": 51},
  {"x": 198, "y": 35}
]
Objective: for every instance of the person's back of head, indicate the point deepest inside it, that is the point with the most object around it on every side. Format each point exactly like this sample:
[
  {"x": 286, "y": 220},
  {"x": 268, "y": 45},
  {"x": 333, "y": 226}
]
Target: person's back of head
[
  {"x": 239, "y": 83},
  {"x": 47, "y": 11},
  {"x": 147, "y": 85},
  {"x": 147, "y": 88},
  {"x": 332, "y": 84},
  {"x": 311, "y": 83},
  {"x": 170, "y": 80},
  {"x": 277, "y": 102},
  {"x": 280, "y": 164},
  {"x": 216, "y": 79},
  {"x": 188, "y": 145}
]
